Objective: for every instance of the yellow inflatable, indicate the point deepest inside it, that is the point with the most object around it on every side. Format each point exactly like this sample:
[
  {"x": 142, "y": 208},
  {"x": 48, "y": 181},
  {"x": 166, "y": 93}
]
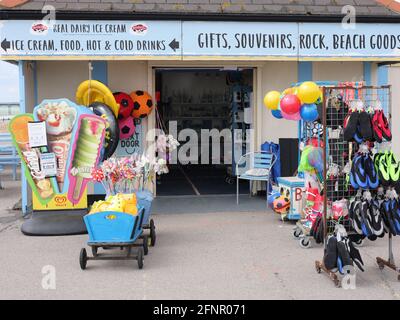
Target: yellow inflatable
[
  {"x": 126, "y": 203},
  {"x": 91, "y": 91}
]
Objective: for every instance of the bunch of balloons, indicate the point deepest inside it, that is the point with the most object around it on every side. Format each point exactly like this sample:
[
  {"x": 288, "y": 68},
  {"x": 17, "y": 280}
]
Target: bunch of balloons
[{"x": 295, "y": 103}]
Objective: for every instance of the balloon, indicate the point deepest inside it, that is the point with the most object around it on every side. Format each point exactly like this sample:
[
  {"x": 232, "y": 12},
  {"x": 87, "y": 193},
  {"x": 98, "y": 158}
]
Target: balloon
[
  {"x": 112, "y": 130},
  {"x": 309, "y": 112},
  {"x": 125, "y": 104},
  {"x": 292, "y": 117},
  {"x": 271, "y": 100},
  {"x": 127, "y": 128},
  {"x": 290, "y": 104},
  {"x": 277, "y": 114},
  {"x": 142, "y": 104},
  {"x": 309, "y": 92},
  {"x": 292, "y": 90}
]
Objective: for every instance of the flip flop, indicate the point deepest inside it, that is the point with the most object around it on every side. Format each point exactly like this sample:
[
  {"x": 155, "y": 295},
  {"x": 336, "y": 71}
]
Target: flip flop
[
  {"x": 350, "y": 126},
  {"x": 376, "y": 222},
  {"x": 331, "y": 255},
  {"x": 384, "y": 126},
  {"x": 354, "y": 254},
  {"x": 364, "y": 121},
  {"x": 365, "y": 219},
  {"x": 387, "y": 217},
  {"x": 360, "y": 173},
  {"x": 384, "y": 171},
  {"x": 373, "y": 179},
  {"x": 344, "y": 258},
  {"x": 356, "y": 221},
  {"x": 376, "y": 128},
  {"x": 393, "y": 209}
]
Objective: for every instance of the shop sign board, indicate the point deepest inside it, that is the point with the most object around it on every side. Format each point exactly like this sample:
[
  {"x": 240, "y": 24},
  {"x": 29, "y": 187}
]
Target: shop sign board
[
  {"x": 186, "y": 40},
  {"x": 23, "y": 38},
  {"x": 128, "y": 147}
]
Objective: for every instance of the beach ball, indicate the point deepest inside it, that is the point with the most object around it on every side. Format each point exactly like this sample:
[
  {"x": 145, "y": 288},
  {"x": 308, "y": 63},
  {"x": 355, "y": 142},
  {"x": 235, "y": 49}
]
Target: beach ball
[
  {"x": 271, "y": 100},
  {"x": 309, "y": 112},
  {"x": 277, "y": 114},
  {"x": 126, "y": 128},
  {"x": 309, "y": 92},
  {"x": 290, "y": 104},
  {"x": 142, "y": 104},
  {"x": 125, "y": 104}
]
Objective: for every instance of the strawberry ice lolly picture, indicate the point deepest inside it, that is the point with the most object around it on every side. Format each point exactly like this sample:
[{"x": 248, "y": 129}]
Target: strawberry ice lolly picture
[{"x": 86, "y": 155}]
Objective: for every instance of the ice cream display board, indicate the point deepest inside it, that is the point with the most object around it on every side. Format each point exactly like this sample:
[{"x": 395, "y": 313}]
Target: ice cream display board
[{"x": 75, "y": 136}]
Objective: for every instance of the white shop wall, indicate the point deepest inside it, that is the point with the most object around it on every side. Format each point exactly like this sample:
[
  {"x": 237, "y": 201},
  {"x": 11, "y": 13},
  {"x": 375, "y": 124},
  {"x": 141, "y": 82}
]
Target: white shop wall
[
  {"x": 60, "y": 79},
  {"x": 277, "y": 76},
  {"x": 394, "y": 80}
]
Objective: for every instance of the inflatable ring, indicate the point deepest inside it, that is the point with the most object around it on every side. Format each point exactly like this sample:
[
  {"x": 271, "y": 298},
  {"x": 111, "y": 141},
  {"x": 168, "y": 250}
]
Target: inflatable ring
[{"x": 91, "y": 91}]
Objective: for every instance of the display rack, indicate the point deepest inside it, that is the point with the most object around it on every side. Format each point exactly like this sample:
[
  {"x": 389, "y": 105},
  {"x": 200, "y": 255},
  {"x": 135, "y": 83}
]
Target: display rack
[{"x": 339, "y": 152}]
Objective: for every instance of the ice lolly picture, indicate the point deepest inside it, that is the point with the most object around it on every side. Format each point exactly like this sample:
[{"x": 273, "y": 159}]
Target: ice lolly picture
[
  {"x": 60, "y": 117},
  {"x": 86, "y": 153},
  {"x": 40, "y": 185}
]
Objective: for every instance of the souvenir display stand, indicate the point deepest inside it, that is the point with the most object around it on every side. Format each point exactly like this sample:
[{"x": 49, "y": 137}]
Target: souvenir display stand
[{"x": 351, "y": 144}]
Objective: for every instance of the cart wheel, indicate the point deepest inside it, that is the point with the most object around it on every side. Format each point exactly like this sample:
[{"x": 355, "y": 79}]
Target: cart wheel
[
  {"x": 145, "y": 245},
  {"x": 153, "y": 235},
  {"x": 381, "y": 266},
  {"x": 94, "y": 252},
  {"x": 318, "y": 267},
  {"x": 83, "y": 259},
  {"x": 305, "y": 243},
  {"x": 337, "y": 283},
  {"x": 398, "y": 277},
  {"x": 140, "y": 258},
  {"x": 297, "y": 233}
]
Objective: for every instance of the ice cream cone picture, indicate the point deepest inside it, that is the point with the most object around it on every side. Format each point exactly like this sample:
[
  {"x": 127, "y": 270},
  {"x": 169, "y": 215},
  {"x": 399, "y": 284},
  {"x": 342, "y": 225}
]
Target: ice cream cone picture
[
  {"x": 61, "y": 117},
  {"x": 85, "y": 154},
  {"x": 41, "y": 186}
]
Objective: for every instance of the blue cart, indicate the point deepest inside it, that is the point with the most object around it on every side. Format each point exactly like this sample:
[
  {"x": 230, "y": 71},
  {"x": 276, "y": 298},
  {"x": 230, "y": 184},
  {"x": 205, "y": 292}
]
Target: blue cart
[
  {"x": 108, "y": 230},
  {"x": 145, "y": 199}
]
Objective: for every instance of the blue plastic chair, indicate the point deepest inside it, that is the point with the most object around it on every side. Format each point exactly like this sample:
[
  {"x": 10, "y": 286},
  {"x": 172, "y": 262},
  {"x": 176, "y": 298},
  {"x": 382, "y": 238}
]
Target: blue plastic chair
[{"x": 254, "y": 160}]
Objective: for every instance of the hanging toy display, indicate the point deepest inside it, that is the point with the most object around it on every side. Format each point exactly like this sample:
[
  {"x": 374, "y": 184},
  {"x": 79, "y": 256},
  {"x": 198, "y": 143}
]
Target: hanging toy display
[
  {"x": 142, "y": 104},
  {"x": 296, "y": 103},
  {"x": 112, "y": 129},
  {"x": 91, "y": 91}
]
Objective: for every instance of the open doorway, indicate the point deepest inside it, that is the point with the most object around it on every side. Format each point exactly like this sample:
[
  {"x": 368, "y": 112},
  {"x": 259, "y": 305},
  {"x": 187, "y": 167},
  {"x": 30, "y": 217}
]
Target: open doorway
[{"x": 194, "y": 100}]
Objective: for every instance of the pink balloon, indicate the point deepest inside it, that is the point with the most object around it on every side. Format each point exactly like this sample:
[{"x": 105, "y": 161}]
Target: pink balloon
[
  {"x": 293, "y": 117},
  {"x": 290, "y": 104}
]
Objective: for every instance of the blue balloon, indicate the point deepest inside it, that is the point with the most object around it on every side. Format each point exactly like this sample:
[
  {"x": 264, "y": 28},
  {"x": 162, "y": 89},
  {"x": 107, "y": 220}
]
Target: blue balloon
[
  {"x": 309, "y": 112},
  {"x": 277, "y": 114}
]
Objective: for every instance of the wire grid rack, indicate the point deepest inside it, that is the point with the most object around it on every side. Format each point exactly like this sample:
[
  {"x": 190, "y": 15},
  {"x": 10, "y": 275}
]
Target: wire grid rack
[{"x": 337, "y": 152}]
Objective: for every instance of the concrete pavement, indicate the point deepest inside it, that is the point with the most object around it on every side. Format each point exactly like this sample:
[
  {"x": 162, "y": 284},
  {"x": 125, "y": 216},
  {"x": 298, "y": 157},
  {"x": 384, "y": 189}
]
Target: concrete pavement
[{"x": 231, "y": 255}]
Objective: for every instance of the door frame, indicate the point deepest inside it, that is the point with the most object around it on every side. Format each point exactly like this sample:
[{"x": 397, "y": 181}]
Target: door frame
[{"x": 257, "y": 103}]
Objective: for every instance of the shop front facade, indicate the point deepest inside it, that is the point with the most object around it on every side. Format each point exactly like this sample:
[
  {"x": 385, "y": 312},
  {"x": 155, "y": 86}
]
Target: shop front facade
[{"x": 133, "y": 51}]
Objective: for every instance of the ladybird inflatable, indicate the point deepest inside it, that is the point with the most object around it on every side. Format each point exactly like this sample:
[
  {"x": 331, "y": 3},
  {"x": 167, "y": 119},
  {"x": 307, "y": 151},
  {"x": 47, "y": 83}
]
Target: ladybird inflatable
[
  {"x": 281, "y": 204},
  {"x": 142, "y": 104}
]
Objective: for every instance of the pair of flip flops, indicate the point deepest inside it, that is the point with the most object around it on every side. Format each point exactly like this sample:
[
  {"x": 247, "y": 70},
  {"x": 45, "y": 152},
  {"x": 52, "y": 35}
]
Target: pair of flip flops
[
  {"x": 358, "y": 127},
  {"x": 380, "y": 127},
  {"x": 390, "y": 211},
  {"x": 341, "y": 253},
  {"x": 366, "y": 218},
  {"x": 363, "y": 174},
  {"x": 388, "y": 168}
]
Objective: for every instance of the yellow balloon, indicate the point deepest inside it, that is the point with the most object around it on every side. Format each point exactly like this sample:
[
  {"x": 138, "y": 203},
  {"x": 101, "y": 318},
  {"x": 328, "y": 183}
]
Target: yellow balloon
[
  {"x": 309, "y": 92},
  {"x": 272, "y": 99}
]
